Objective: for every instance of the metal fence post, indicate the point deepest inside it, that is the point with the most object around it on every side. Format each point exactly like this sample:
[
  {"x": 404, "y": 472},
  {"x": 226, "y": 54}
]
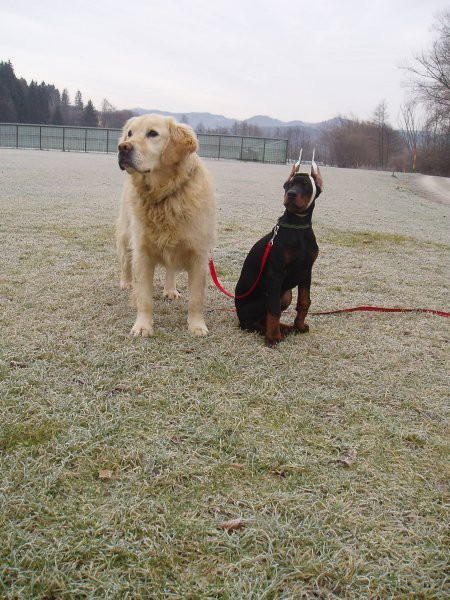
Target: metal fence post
[
  {"x": 220, "y": 139},
  {"x": 40, "y": 137},
  {"x": 242, "y": 143},
  {"x": 17, "y": 136},
  {"x": 85, "y": 140},
  {"x": 107, "y": 141},
  {"x": 64, "y": 140},
  {"x": 264, "y": 151}
]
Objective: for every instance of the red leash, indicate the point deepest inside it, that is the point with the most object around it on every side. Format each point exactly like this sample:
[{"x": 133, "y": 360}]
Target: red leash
[
  {"x": 439, "y": 313},
  {"x": 212, "y": 270}
]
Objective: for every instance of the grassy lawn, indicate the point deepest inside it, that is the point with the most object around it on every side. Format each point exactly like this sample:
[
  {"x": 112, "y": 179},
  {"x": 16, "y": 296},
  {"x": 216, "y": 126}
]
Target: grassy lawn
[{"x": 121, "y": 458}]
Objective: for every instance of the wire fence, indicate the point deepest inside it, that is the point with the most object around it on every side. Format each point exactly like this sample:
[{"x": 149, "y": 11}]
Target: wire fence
[{"x": 90, "y": 139}]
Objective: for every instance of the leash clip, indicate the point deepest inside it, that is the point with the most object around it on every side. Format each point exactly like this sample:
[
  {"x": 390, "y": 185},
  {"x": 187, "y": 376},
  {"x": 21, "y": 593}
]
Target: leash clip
[{"x": 275, "y": 231}]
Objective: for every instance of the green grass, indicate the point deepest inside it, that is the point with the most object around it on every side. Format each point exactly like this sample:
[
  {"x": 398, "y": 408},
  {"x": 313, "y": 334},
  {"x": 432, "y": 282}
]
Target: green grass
[
  {"x": 359, "y": 238},
  {"x": 196, "y": 432},
  {"x": 376, "y": 239}
]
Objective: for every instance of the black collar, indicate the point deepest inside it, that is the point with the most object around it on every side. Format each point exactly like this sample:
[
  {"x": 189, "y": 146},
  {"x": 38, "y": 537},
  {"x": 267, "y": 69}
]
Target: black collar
[{"x": 297, "y": 221}]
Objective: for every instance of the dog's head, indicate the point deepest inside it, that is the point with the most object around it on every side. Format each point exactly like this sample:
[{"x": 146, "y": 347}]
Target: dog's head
[
  {"x": 152, "y": 142},
  {"x": 298, "y": 192}
]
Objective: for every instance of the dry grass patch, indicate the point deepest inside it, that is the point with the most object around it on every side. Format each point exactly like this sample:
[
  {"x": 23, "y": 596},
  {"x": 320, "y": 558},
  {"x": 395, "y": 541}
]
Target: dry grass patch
[{"x": 330, "y": 451}]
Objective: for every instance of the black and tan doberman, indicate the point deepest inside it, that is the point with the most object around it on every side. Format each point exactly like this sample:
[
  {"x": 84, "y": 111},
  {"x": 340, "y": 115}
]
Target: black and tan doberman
[{"x": 289, "y": 265}]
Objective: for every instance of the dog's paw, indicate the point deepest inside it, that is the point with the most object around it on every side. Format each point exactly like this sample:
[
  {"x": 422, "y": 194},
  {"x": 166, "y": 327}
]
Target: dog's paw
[
  {"x": 142, "y": 328},
  {"x": 125, "y": 285},
  {"x": 273, "y": 342},
  {"x": 286, "y": 329},
  {"x": 198, "y": 328},
  {"x": 171, "y": 294},
  {"x": 301, "y": 328}
]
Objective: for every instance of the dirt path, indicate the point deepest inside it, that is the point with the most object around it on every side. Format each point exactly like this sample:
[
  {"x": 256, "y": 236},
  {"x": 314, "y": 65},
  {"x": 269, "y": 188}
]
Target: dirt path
[{"x": 436, "y": 189}]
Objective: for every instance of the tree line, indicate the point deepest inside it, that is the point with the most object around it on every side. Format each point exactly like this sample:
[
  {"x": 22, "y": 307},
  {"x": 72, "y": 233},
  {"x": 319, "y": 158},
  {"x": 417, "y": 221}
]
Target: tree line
[
  {"x": 43, "y": 103},
  {"x": 420, "y": 142}
]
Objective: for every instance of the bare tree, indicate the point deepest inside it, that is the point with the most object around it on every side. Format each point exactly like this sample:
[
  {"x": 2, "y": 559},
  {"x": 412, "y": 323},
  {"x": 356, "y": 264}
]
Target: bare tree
[
  {"x": 430, "y": 86},
  {"x": 106, "y": 113},
  {"x": 380, "y": 120},
  {"x": 348, "y": 142},
  {"x": 431, "y": 73},
  {"x": 410, "y": 128}
]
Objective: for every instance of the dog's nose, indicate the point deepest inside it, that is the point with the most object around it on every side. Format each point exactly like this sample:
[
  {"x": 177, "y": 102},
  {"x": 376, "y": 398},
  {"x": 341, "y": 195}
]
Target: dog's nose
[
  {"x": 125, "y": 147},
  {"x": 291, "y": 195}
]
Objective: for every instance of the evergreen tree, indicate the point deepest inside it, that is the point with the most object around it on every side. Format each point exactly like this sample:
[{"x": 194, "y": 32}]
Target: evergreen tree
[
  {"x": 79, "y": 100},
  {"x": 12, "y": 97},
  {"x": 65, "y": 100},
  {"x": 38, "y": 103},
  {"x": 90, "y": 115},
  {"x": 33, "y": 102},
  {"x": 57, "y": 117}
]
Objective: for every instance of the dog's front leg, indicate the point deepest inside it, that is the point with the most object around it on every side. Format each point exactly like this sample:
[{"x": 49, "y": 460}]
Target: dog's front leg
[
  {"x": 197, "y": 287},
  {"x": 303, "y": 304},
  {"x": 125, "y": 260},
  {"x": 143, "y": 273},
  {"x": 273, "y": 329}
]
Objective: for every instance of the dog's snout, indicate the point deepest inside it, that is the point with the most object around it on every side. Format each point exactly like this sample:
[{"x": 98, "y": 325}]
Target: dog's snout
[
  {"x": 125, "y": 147},
  {"x": 291, "y": 195},
  {"x": 125, "y": 155}
]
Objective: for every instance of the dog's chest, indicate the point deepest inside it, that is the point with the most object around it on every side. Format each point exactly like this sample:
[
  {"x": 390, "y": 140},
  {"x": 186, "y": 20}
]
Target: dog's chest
[
  {"x": 166, "y": 233},
  {"x": 296, "y": 250}
]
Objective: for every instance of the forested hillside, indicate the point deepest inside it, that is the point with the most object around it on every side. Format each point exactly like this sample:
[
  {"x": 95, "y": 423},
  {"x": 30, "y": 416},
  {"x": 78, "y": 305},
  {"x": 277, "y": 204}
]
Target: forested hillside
[{"x": 43, "y": 103}]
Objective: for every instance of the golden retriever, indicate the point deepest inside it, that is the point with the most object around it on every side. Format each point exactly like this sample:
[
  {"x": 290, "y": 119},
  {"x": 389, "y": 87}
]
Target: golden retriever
[{"x": 167, "y": 216}]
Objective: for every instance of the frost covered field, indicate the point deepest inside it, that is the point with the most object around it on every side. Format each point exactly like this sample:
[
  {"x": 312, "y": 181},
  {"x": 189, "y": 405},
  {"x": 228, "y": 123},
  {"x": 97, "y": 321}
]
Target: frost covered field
[{"x": 123, "y": 460}]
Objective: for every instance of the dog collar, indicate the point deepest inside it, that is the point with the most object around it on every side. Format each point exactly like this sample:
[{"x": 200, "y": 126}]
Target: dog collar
[{"x": 294, "y": 226}]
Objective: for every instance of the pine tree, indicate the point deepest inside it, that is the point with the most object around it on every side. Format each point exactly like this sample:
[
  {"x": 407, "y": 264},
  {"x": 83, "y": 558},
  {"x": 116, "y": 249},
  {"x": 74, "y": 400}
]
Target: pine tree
[
  {"x": 79, "y": 100},
  {"x": 65, "y": 100},
  {"x": 12, "y": 99},
  {"x": 90, "y": 115},
  {"x": 57, "y": 117}
]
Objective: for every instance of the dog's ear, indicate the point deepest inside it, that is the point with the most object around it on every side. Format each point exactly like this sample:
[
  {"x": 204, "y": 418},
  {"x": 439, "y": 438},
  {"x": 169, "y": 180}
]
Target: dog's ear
[{"x": 181, "y": 143}]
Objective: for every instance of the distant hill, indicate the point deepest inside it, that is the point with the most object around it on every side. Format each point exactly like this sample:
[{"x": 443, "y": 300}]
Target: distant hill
[
  {"x": 208, "y": 120},
  {"x": 211, "y": 121},
  {"x": 264, "y": 121}
]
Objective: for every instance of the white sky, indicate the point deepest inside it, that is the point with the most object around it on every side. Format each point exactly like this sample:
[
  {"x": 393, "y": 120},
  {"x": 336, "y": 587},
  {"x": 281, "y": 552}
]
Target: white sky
[{"x": 283, "y": 58}]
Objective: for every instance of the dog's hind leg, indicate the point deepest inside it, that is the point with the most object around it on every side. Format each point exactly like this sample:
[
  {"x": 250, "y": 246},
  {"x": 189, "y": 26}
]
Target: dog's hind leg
[{"x": 170, "y": 289}]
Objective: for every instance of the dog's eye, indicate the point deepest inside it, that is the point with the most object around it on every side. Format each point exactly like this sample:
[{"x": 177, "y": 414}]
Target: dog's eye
[
  {"x": 130, "y": 133},
  {"x": 152, "y": 133}
]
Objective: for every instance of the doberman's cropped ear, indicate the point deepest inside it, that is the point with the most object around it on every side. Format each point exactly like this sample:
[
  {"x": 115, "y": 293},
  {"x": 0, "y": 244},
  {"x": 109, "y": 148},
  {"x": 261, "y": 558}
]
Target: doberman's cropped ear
[{"x": 181, "y": 143}]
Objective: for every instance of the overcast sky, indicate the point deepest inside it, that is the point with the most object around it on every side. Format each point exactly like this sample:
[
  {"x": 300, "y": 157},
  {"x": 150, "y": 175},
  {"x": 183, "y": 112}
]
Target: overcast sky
[{"x": 286, "y": 59}]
